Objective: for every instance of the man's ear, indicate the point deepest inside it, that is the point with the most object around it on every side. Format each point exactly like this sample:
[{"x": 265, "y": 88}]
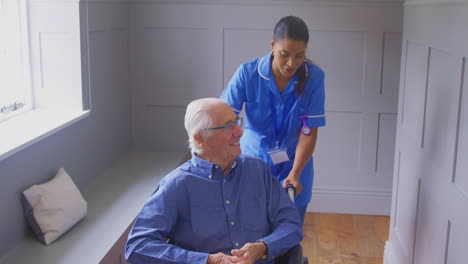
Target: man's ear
[
  {"x": 198, "y": 137},
  {"x": 272, "y": 44}
]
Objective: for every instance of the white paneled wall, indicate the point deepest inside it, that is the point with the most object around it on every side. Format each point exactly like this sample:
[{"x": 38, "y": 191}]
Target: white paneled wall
[
  {"x": 183, "y": 50},
  {"x": 108, "y": 40},
  {"x": 430, "y": 194}
]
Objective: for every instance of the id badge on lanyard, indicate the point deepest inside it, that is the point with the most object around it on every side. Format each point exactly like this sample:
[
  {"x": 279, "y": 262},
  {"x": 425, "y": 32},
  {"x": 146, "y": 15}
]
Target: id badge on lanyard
[{"x": 279, "y": 155}]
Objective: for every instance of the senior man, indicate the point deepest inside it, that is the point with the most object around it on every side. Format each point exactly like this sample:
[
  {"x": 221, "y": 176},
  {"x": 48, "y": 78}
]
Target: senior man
[{"x": 220, "y": 206}]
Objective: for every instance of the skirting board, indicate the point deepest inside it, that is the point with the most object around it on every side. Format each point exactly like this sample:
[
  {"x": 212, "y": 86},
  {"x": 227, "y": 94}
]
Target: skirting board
[{"x": 367, "y": 202}]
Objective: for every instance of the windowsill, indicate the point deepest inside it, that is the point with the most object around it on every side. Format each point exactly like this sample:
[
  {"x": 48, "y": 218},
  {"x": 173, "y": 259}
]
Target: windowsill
[{"x": 24, "y": 130}]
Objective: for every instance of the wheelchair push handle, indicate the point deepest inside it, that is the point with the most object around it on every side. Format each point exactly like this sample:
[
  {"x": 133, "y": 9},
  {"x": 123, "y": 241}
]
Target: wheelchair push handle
[{"x": 291, "y": 191}]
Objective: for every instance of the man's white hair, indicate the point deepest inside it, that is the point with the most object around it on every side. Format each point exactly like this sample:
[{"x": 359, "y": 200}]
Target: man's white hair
[{"x": 197, "y": 120}]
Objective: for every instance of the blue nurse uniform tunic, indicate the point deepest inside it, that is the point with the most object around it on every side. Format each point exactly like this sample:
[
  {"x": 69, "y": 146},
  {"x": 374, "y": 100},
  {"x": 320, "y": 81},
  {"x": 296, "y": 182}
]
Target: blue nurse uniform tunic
[{"x": 254, "y": 85}]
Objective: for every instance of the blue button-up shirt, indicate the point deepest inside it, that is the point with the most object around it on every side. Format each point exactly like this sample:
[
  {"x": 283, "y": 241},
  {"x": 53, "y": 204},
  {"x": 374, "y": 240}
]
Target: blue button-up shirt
[{"x": 201, "y": 211}]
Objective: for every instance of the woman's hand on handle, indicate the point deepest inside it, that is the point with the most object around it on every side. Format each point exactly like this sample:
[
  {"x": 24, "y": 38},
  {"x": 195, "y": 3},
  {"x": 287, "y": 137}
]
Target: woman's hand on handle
[{"x": 294, "y": 180}]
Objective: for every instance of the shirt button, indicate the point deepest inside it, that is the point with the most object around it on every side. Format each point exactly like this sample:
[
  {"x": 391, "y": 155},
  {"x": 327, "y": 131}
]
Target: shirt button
[
  {"x": 217, "y": 166},
  {"x": 232, "y": 222},
  {"x": 224, "y": 181},
  {"x": 227, "y": 202},
  {"x": 237, "y": 244},
  {"x": 209, "y": 176}
]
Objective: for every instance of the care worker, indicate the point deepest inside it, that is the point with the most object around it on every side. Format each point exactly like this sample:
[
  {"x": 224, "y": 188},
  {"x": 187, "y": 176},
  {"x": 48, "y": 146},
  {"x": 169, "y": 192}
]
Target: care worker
[{"x": 283, "y": 93}]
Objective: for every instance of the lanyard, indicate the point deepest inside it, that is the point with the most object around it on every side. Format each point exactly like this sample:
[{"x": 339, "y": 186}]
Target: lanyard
[{"x": 279, "y": 132}]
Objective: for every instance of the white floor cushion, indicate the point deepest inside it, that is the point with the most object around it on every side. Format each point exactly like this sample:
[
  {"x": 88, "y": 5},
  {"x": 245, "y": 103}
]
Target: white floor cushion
[{"x": 54, "y": 207}]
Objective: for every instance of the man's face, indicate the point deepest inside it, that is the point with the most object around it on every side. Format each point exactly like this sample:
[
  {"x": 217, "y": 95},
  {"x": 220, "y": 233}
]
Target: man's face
[{"x": 222, "y": 146}]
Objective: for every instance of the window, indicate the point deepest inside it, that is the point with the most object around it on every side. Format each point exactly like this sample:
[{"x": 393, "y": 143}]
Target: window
[
  {"x": 41, "y": 86},
  {"x": 15, "y": 87}
]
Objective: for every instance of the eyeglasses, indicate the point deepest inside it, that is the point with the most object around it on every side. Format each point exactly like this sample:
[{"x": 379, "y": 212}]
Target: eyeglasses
[{"x": 228, "y": 126}]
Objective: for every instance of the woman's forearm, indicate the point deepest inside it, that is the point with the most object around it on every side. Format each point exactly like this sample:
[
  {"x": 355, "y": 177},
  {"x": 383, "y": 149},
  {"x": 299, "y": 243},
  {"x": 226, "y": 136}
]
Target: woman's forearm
[{"x": 304, "y": 150}]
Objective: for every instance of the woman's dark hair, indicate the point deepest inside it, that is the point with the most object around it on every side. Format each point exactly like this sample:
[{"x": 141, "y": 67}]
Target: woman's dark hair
[{"x": 293, "y": 27}]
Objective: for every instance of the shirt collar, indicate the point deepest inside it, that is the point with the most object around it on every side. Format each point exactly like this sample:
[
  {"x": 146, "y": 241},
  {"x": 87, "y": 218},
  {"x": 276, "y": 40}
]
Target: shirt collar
[
  {"x": 201, "y": 163},
  {"x": 209, "y": 166},
  {"x": 264, "y": 67},
  {"x": 265, "y": 71}
]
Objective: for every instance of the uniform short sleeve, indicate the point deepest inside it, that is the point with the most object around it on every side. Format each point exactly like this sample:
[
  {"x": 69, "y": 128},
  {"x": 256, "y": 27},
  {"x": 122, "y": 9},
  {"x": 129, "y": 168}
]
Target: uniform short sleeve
[
  {"x": 314, "y": 105},
  {"x": 234, "y": 93}
]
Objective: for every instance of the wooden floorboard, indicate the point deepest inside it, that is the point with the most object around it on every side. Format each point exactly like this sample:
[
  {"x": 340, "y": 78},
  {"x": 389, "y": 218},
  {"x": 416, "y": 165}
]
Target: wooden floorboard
[{"x": 344, "y": 238}]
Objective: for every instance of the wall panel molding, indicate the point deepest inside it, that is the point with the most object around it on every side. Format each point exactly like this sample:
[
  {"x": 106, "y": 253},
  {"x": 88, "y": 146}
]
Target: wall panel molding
[
  {"x": 402, "y": 87},
  {"x": 395, "y": 191},
  {"x": 348, "y": 200},
  {"x": 352, "y": 191},
  {"x": 390, "y": 63},
  {"x": 385, "y": 147},
  {"x": 460, "y": 168},
  {"x": 426, "y": 93},
  {"x": 416, "y": 222}
]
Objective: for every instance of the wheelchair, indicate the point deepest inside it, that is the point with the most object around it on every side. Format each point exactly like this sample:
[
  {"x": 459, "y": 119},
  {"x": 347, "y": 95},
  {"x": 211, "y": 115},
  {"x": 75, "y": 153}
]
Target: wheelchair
[{"x": 294, "y": 255}]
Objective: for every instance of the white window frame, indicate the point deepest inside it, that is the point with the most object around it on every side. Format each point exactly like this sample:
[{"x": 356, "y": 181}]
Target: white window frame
[
  {"x": 59, "y": 95},
  {"x": 24, "y": 100}
]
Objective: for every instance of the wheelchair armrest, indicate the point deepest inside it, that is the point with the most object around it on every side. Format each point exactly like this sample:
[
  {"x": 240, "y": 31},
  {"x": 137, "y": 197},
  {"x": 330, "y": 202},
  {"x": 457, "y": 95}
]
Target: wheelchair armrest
[{"x": 293, "y": 256}]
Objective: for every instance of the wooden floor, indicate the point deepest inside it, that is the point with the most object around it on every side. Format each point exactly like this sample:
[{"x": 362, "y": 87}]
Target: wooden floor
[{"x": 344, "y": 239}]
